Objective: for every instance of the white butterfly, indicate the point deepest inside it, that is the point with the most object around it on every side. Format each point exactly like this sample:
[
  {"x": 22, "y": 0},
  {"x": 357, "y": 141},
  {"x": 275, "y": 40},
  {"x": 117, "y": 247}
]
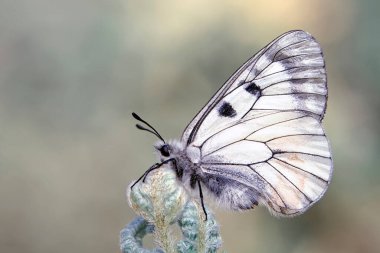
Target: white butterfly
[{"x": 259, "y": 140}]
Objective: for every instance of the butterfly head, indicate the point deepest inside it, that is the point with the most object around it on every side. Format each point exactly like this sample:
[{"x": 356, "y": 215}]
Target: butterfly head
[
  {"x": 164, "y": 150},
  {"x": 168, "y": 150}
]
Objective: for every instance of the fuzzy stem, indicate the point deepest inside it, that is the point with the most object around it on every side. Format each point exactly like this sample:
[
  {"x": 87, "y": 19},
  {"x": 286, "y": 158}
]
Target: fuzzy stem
[
  {"x": 201, "y": 228},
  {"x": 131, "y": 237},
  {"x": 162, "y": 235},
  {"x": 199, "y": 235},
  {"x": 161, "y": 219}
]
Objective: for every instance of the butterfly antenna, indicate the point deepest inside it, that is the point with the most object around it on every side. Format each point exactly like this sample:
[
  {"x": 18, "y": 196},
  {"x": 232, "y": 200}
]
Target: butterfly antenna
[
  {"x": 155, "y": 132},
  {"x": 140, "y": 127}
]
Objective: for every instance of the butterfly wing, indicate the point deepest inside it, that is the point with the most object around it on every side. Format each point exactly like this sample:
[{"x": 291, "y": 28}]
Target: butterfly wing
[{"x": 261, "y": 132}]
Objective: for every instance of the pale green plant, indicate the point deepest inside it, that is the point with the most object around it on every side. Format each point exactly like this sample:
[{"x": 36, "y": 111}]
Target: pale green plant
[{"x": 160, "y": 202}]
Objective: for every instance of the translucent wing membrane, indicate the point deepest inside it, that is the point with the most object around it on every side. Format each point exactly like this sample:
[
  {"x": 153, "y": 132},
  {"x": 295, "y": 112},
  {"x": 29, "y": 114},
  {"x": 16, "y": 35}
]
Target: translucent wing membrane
[
  {"x": 264, "y": 124},
  {"x": 288, "y": 74},
  {"x": 286, "y": 151}
]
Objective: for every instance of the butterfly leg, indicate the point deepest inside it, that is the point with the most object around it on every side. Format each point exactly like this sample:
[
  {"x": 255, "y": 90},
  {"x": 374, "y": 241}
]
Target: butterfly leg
[
  {"x": 153, "y": 167},
  {"x": 201, "y": 196},
  {"x": 158, "y": 165}
]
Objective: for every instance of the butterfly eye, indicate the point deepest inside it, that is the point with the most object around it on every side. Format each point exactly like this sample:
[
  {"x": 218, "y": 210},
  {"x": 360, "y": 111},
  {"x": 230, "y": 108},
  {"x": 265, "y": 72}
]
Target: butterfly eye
[{"x": 165, "y": 150}]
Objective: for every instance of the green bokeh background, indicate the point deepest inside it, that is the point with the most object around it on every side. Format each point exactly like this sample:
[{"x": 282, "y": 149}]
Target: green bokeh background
[{"x": 71, "y": 72}]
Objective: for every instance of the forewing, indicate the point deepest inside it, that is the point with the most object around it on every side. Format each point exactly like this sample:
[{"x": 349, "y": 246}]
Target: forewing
[
  {"x": 266, "y": 119},
  {"x": 287, "y": 74}
]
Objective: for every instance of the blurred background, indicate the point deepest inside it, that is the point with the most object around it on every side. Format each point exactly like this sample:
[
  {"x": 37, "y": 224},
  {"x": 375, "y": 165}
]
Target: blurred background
[{"x": 71, "y": 73}]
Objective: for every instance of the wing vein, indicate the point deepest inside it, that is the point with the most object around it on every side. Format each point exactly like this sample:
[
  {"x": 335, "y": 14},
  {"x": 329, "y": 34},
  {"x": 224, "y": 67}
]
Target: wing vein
[
  {"x": 292, "y": 44},
  {"x": 254, "y": 65},
  {"x": 296, "y": 167},
  {"x": 299, "y": 67},
  {"x": 245, "y": 138},
  {"x": 297, "y": 152},
  {"x": 290, "y": 135},
  {"x": 237, "y": 123},
  {"x": 290, "y": 181},
  {"x": 296, "y": 55},
  {"x": 306, "y": 93},
  {"x": 274, "y": 58},
  {"x": 298, "y": 110},
  {"x": 285, "y": 205},
  {"x": 293, "y": 79}
]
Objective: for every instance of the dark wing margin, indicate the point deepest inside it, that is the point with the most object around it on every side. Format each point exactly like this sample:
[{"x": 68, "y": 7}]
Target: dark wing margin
[{"x": 282, "y": 71}]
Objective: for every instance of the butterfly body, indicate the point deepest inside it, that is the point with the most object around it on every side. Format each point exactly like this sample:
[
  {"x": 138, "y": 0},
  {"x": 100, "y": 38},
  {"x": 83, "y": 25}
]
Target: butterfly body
[
  {"x": 259, "y": 140},
  {"x": 229, "y": 193}
]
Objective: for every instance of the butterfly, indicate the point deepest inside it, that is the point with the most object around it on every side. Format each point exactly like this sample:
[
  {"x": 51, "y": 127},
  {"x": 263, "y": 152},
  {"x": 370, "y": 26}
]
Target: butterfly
[{"x": 259, "y": 140}]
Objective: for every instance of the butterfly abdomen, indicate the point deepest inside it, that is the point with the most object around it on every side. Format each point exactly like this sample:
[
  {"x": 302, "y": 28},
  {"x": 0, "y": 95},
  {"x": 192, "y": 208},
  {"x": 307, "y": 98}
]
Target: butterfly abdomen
[{"x": 231, "y": 194}]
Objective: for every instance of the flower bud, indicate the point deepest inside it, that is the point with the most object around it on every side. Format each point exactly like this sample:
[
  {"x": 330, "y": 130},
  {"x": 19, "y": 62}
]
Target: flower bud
[{"x": 160, "y": 199}]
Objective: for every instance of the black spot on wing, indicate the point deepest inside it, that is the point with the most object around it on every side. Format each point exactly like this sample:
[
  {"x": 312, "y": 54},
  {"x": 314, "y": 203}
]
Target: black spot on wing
[
  {"x": 227, "y": 110},
  {"x": 253, "y": 89}
]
